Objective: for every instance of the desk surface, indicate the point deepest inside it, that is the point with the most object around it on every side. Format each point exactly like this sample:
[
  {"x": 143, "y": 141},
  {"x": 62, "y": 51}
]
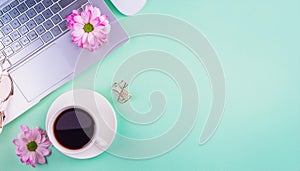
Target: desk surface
[{"x": 258, "y": 46}]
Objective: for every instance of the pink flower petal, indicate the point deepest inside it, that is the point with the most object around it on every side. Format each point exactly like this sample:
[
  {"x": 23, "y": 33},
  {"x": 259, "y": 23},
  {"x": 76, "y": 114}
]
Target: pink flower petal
[
  {"x": 24, "y": 128},
  {"x": 84, "y": 38},
  {"x": 91, "y": 39},
  {"x": 95, "y": 22},
  {"x": 78, "y": 33},
  {"x": 43, "y": 151},
  {"x": 103, "y": 29},
  {"x": 24, "y": 140},
  {"x": 96, "y": 34},
  {"x": 95, "y": 13},
  {"x": 33, "y": 157},
  {"x": 25, "y": 157},
  {"x": 29, "y": 136},
  {"x": 104, "y": 18},
  {"x": 75, "y": 12},
  {"x": 40, "y": 158},
  {"x": 85, "y": 17},
  {"x": 78, "y": 19},
  {"x": 78, "y": 26},
  {"x": 16, "y": 142},
  {"x": 36, "y": 134},
  {"x": 88, "y": 8}
]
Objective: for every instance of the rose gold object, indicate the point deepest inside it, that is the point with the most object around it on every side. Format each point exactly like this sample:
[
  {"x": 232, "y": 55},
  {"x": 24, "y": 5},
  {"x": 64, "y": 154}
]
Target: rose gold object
[
  {"x": 121, "y": 92},
  {"x": 6, "y": 91}
]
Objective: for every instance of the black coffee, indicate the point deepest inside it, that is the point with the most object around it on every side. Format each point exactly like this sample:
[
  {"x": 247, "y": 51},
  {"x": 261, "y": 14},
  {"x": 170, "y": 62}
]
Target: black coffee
[{"x": 74, "y": 128}]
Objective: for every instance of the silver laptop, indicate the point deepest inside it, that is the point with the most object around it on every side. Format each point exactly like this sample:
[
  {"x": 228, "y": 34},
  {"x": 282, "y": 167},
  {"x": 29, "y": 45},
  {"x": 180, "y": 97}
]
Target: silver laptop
[{"x": 36, "y": 42}]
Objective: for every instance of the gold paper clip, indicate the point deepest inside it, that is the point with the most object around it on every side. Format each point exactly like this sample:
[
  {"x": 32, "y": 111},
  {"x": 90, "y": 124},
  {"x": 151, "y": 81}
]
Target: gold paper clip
[{"x": 121, "y": 92}]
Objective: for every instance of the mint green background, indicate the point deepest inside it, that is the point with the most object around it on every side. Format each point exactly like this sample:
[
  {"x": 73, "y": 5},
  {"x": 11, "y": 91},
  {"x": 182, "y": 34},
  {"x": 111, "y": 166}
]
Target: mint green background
[{"x": 258, "y": 46}]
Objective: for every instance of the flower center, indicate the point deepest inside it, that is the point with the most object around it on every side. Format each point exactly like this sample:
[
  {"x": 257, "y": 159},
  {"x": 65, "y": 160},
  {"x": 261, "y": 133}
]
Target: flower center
[
  {"x": 32, "y": 146},
  {"x": 88, "y": 28}
]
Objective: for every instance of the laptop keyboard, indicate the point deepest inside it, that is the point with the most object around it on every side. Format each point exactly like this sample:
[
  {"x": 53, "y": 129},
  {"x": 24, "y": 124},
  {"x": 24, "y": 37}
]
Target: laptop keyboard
[{"x": 27, "y": 26}]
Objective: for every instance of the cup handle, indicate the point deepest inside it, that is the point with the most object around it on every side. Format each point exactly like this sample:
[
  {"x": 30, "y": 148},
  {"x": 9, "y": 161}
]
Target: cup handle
[{"x": 101, "y": 143}]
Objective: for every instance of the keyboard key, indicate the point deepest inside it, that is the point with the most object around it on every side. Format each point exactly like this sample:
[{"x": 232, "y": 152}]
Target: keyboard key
[
  {"x": 40, "y": 30},
  {"x": 32, "y": 35},
  {"x": 31, "y": 13},
  {"x": 6, "y": 64},
  {"x": 55, "y": 8},
  {"x": 6, "y": 9},
  {"x": 16, "y": 46},
  {"x": 39, "y": 19},
  {"x": 63, "y": 25},
  {"x": 15, "y": 35},
  {"x": 56, "y": 19},
  {"x": 39, "y": 8},
  {"x": 23, "y": 18},
  {"x": 5, "y": 18},
  {"x": 1, "y": 24},
  {"x": 47, "y": 3},
  {"x": 1, "y": 47},
  {"x": 8, "y": 51},
  {"x": 24, "y": 41},
  {"x": 31, "y": 24},
  {"x": 26, "y": 51},
  {"x": 22, "y": 7},
  {"x": 47, "y": 37},
  {"x": 47, "y": 14},
  {"x": 6, "y": 29},
  {"x": 56, "y": 31},
  {"x": 15, "y": 24},
  {"x": 14, "y": 3},
  {"x": 48, "y": 25},
  {"x": 2, "y": 56},
  {"x": 30, "y": 3},
  {"x": 1, "y": 13},
  {"x": 21, "y": 0},
  {"x": 1, "y": 34},
  {"x": 6, "y": 41},
  {"x": 64, "y": 3},
  {"x": 23, "y": 30},
  {"x": 14, "y": 13},
  {"x": 64, "y": 13}
]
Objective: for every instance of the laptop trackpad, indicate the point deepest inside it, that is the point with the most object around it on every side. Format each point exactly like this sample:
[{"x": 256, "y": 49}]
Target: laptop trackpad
[{"x": 42, "y": 72}]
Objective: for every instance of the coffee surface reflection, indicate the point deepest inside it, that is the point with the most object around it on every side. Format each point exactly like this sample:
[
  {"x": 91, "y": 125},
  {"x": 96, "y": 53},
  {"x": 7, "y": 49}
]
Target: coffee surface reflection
[{"x": 74, "y": 128}]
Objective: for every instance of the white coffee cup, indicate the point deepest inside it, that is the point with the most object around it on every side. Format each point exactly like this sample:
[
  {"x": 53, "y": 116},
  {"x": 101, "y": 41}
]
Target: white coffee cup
[
  {"x": 100, "y": 111},
  {"x": 94, "y": 140}
]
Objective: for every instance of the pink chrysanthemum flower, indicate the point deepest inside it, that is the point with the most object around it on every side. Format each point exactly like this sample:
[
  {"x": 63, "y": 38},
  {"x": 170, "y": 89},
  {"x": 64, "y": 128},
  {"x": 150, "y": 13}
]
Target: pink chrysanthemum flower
[
  {"x": 32, "y": 146},
  {"x": 90, "y": 28}
]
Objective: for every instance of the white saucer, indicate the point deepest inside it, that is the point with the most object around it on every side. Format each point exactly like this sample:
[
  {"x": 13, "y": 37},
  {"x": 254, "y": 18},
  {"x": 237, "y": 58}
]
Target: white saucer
[{"x": 94, "y": 102}]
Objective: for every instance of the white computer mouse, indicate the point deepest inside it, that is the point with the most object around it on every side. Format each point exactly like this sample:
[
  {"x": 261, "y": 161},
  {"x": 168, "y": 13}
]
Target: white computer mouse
[{"x": 129, "y": 7}]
